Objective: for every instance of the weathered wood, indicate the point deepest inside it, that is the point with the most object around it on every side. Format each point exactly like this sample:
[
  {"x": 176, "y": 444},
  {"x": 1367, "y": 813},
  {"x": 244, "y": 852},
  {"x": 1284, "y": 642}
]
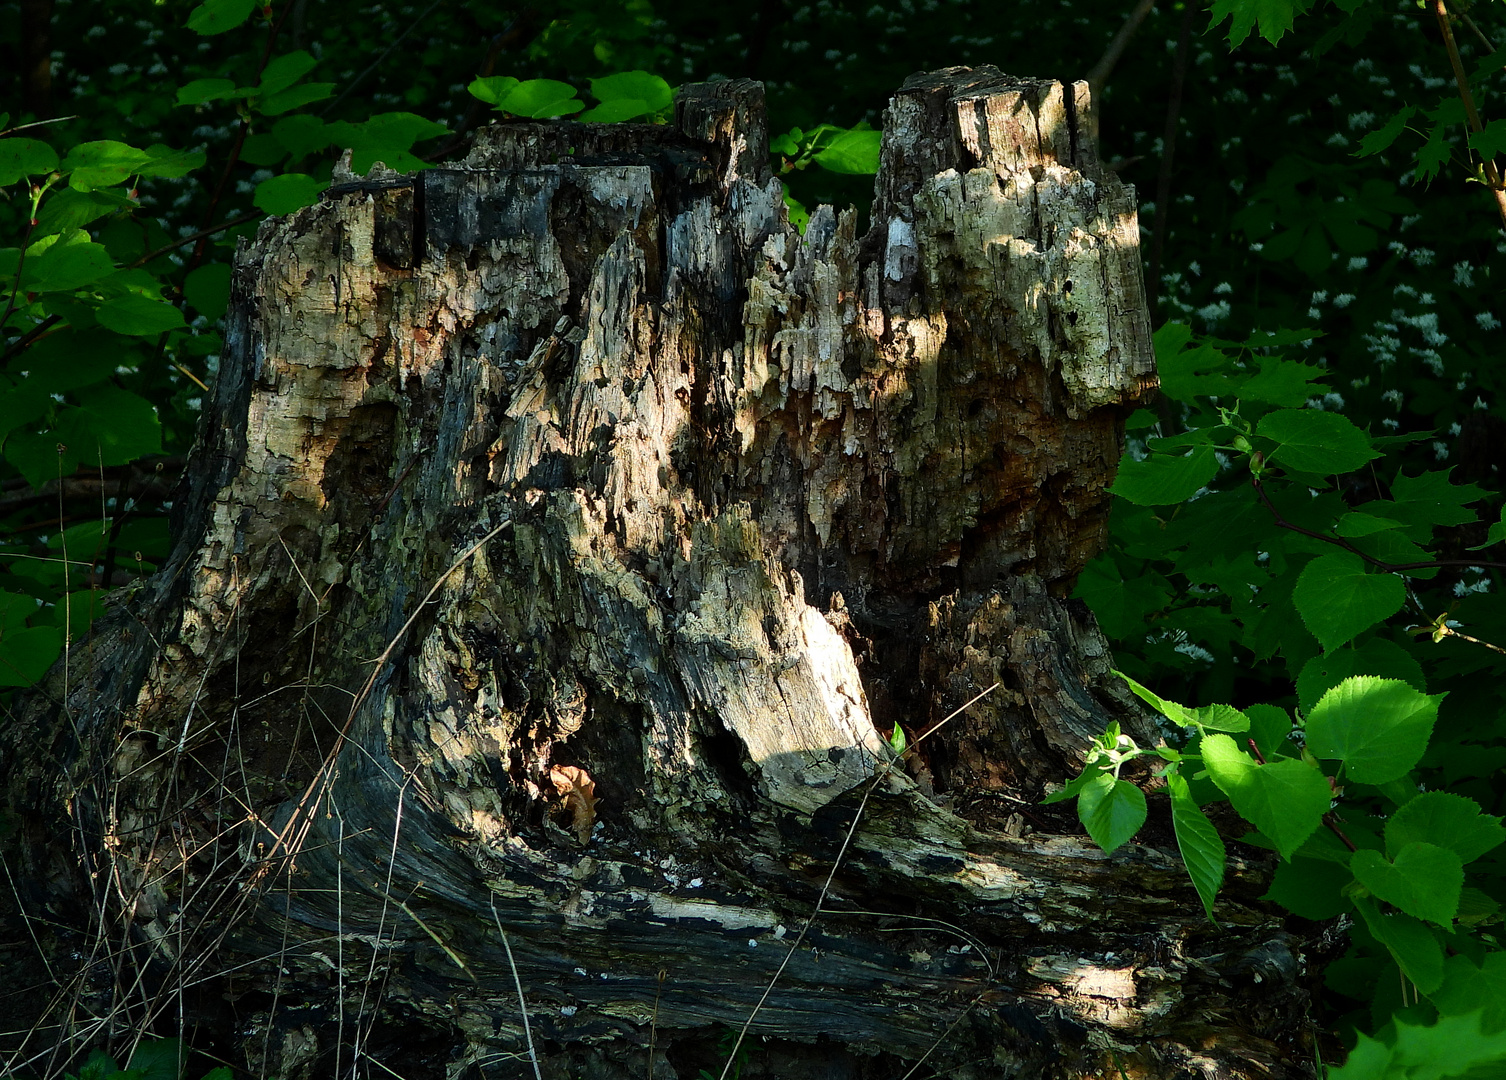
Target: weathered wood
[{"x": 753, "y": 498}]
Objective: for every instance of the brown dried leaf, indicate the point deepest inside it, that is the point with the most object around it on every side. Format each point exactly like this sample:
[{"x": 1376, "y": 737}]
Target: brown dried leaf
[{"x": 576, "y": 787}]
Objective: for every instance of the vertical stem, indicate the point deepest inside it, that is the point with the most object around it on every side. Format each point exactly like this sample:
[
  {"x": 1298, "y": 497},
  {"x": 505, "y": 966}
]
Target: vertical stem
[
  {"x": 1168, "y": 151},
  {"x": 1492, "y": 174}
]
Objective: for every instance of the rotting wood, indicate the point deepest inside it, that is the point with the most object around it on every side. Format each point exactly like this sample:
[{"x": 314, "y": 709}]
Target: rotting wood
[{"x": 769, "y": 495}]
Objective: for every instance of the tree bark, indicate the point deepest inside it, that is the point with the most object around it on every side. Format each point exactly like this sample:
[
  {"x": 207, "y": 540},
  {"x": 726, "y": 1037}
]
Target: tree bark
[{"x": 566, "y": 537}]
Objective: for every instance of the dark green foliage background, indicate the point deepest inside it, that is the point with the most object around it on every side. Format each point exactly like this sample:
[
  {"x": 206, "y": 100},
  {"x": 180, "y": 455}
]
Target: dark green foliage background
[{"x": 1380, "y": 272}]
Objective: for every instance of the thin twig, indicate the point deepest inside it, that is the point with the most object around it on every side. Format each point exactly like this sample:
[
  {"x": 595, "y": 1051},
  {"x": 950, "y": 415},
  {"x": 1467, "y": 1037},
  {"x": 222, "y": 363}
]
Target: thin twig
[
  {"x": 1168, "y": 152},
  {"x": 325, "y": 772},
  {"x": 517, "y": 983},
  {"x": 1380, "y": 564},
  {"x": 359, "y": 79},
  {"x": 1100, "y": 71},
  {"x": 200, "y": 235},
  {"x": 836, "y": 865}
]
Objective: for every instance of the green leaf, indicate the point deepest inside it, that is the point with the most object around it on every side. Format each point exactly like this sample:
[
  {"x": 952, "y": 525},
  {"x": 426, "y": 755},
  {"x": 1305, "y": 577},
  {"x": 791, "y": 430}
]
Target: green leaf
[
  {"x": 80, "y": 608},
  {"x": 1467, "y": 985},
  {"x": 27, "y": 654},
  {"x": 109, "y": 426},
  {"x": 25, "y": 157},
  {"x": 15, "y": 609},
  {"x": 139, "y": 316},
  {"x": 1311, "y": 888},
  {"x": 1285, "y": 800},
  {"x": 1203, "y": 370},
  {"x": 1447, "y": 820},
  {"x": 1274, "y": 17},
  {"x": 1455, "y": 1046},
  {"x": 1430, "y": 498},
  {"x": 897, "y": 740},
  {"x": 617, "y": 112},
  {"x": 1384, "y": 136},
  {"x": 207, "y": 288},
  {"x": 1163, "y": 479},
  {"x": 1177, "y": 714},
  {"x": 541, "y": 99},
  {"x": 287, "y": 193},
  {"x": 386, "y": 137},
  {"x": 104, "y": 163},
  {"x": 284, "y": 71},
  {"x": 70, "y": 209},
  {"x": 71, "y": 358},
  {"x": 1423, "y": 880},
  {"x": 1434, "y": 153},
  {"x": 201, "y": 91},
  {"x": 1220, "y": 718},
  {"x": 1410, "y": 942},
  {"x": 263, "y": 150},
  {"x": 852, "y": 152},
  {"x": 159, "y": 1059},
  {"x": 301, "y": 135},
  {"x": 1375, "y": 657},
  {"x": 1314, "y": 441},
  {"x": 1121, "y": 606},
  {"x": 1496, "y": 534},
  {"x": 1270, "y": 726},
  {"x": 1283, "y": 382},
  {"x": 636, "y": 87},
  {"x": 1339, "y": 598},
  {"x": 1201, "y": 847},
  {"x": 492, "y": 88},
  {"x": 1314, "y": 254},
  {"x": 1073, "y": 787},
  {"x": 294, "y": 98},
  {"x": 1490, "y": 141},
  {"x": 65, "y": 267},
  {"x": 1355, "y": 525},
  {"x": 1111, "y": 810},
  {"x": 1378, "y": 728},
  {"x": 100, "y": 1066},
  {"x": 218, "y": 16}
]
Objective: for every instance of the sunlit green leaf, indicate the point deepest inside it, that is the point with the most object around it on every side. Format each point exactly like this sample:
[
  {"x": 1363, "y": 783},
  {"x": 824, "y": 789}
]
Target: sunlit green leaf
[
  {"x": 854, "y": 152},
  {"x": 1378, "y": 728},
  {"x": 25, "y": 157},
  {"x": 1111, "y": 810},
  {"x": 1201, "y": 847},
  {"x": 1285, "y": 800}
]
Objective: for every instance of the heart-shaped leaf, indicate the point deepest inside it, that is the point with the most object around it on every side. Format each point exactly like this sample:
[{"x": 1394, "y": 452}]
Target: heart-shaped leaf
[
  {"x": 1424, "y": 880},
  {"x": 1285, "y": 799}
]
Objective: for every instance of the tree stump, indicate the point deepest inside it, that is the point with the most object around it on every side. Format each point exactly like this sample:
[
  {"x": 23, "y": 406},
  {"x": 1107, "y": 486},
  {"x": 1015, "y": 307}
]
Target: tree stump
[{"x": 566, "y": 538}]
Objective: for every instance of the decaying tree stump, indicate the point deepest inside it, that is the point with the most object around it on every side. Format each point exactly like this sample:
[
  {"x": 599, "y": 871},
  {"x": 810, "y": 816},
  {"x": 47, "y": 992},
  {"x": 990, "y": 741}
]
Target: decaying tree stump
[{"x": 745, "y": 500}]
